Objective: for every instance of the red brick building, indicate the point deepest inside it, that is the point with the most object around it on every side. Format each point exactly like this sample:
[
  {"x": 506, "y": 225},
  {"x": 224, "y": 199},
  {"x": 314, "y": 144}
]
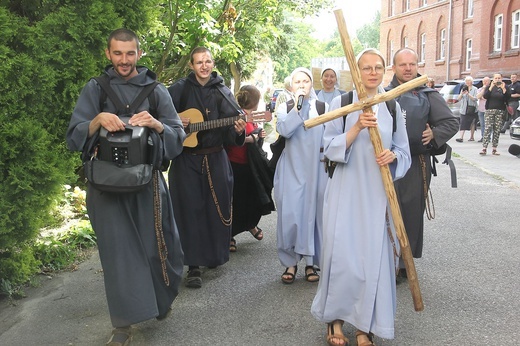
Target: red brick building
[{"x": 454, "y": 38}]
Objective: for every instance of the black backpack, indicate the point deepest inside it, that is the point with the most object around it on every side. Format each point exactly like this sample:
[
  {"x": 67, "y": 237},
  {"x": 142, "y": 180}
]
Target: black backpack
[{"x": 278, "y": 145}]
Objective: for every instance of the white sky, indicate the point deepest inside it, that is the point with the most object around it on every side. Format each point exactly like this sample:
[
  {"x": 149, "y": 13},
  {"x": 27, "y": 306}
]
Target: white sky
[{"x": 356, "y": 13}]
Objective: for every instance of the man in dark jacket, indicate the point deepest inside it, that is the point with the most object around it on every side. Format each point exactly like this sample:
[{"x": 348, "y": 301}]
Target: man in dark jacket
[
  {"x": 201, "y": 179},
  {"x": 140, "y": 282},
  {"x": 429, "y": 124}
]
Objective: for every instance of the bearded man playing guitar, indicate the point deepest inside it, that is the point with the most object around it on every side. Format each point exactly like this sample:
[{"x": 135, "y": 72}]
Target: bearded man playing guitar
[{"x": 201, "y": 179}]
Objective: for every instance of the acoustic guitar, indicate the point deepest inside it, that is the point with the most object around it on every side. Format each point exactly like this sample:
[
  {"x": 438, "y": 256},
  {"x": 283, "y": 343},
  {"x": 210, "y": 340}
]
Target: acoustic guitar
[{"x": 197, "y": 123}]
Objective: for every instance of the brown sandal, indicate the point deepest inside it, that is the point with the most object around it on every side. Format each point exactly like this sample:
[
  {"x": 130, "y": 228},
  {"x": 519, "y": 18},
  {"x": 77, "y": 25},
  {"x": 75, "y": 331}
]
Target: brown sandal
[
  {"x": 368, "y": 341},
  {"x": 291, "y": 276},
  {"x": 311, "y": 274},
  {"x": 120, "y": 337},
  {"x": 257, "y": 233},
  {"x": 483, "y": 152},
  {"x": 495, "y": 152},
  {"x": 331, "y": 335},
  {"x": 233, "y": 245}
]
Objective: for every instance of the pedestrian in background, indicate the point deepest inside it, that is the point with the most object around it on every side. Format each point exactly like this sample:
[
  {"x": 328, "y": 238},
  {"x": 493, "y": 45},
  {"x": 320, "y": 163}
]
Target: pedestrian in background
[
  {"x": 430, "y": 83},
  {"x": 329, "y": 83},
  {"x": 496, "y": 95},
  {"x": 299, "y": 181},
  {"x": 285, "y": 95},
  {"x": 514, "y": 101},
  {"x": 468, "y": 109},
  {"x": 267, "y": 99},
  {"x": 360, "y": 247},
  {"x": 482, "y": 106}
]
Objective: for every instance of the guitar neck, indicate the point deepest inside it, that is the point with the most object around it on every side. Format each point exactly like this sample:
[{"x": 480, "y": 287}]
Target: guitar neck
[{"x": 213, "y": 124}]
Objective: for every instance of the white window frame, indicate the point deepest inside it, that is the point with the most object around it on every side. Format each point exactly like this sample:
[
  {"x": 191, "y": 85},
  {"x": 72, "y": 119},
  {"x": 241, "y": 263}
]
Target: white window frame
[
  {"x": 405, "y": 42},
  {"x": 442, "y": 44},
  {"x": 424, "y": 3},
  {"x": 422, "y": 53},
  {"x": 406, "y": 7},
  {"x": 515, "y": 30},
  {"x": 392, "y": 8},
  {"x": 390, "y": 53},
  {"x": 469, "y": 50},
  {"x": 469, "y": 13},
  {"x": 497, "y": 35}
]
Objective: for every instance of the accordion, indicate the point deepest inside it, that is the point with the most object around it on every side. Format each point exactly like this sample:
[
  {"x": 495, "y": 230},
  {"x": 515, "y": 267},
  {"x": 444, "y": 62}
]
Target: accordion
[{"x": 129, "y": 147}]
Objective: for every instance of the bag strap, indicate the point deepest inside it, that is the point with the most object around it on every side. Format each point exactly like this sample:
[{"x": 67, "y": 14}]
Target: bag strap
[
  {"x": 320, "y": 106},
  {"x": 104, "y": 83},
  {"x": 290, "y": 105},
  {"x": 346, "y": 99},
  {"x": 147, "y": 91}
]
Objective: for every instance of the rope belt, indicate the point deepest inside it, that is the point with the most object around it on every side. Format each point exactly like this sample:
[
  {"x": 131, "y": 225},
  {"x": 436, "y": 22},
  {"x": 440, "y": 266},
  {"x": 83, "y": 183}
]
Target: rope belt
[
  {"x": 161, "y": 243},
  {"x": 225, "y": 222},
  {"x": 430, "y": 210}
]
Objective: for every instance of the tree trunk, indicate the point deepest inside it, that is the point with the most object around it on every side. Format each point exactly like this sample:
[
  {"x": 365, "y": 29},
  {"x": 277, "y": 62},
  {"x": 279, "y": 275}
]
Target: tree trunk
[{"x": 236, "y": 76}]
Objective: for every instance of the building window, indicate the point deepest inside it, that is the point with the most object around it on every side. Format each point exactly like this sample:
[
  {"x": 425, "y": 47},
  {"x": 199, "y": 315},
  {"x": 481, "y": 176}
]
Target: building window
[
  {"x": 442, "y": 45},
  {"x": 405, "y": 42},
  {"x": 468, "y": 54},
  {"x": 392, "y": 8},
  {"x": 422, "y": 48},
  {"x": 469, "y": 14},
  {"x": 497, "y": 37},
  {"x": 390, "y": 57},
  {"x": 406, "y": 5},
  {"x": 515, "y": 30},
  {"x": 424, "y": 3}
]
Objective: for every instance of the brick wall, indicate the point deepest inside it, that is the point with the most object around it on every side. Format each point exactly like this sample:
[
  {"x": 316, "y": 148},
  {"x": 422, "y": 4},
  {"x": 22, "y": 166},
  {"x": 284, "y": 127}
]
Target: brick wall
[{"x": 435, "y": 15}]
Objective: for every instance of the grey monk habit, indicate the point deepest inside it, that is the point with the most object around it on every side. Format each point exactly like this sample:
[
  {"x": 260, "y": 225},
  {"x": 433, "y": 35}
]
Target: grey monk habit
[{"x": 124, "y": 223}]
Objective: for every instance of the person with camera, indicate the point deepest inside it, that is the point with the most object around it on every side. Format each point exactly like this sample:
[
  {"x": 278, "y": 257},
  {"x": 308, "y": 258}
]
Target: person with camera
[
  {"x": 482, "y": 106},
  {"x": 468, "y": 109},
  {"x": 140, "y": 253},
  {"x": 497, "y": 95}
]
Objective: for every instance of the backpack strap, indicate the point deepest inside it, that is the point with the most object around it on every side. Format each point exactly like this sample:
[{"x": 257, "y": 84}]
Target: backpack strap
[
  {"x": 145, "y": 93},
  {"x": 346, "y": 99},
  {"x": 106, "y": 90},
  {"x": 391, "y": 105},
  {"x": 104, "y": 83},
  {"x": 320, "y": 106}
]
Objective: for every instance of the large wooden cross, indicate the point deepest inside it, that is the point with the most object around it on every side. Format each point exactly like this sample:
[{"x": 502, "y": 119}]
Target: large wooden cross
[{"x": 375, "y": 138}]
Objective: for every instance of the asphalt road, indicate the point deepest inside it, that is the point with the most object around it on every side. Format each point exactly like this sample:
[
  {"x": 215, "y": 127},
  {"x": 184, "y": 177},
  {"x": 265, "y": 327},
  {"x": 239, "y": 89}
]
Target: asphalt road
[{"x": 468, "y": 277}]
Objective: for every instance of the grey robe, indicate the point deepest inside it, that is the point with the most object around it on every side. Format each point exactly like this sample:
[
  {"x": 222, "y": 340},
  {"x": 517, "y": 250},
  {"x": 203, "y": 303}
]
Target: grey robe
[
  {"x": 410, "y": 189},
  {"x": 357, "y": 283},
  {"x": 124, "y": 223},
  {"x": 299, "y": 185}
]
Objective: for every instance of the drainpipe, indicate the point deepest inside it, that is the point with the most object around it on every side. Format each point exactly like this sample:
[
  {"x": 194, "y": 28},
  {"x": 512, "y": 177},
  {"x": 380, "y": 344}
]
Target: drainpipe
[{"x": 448, "y": 50}]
